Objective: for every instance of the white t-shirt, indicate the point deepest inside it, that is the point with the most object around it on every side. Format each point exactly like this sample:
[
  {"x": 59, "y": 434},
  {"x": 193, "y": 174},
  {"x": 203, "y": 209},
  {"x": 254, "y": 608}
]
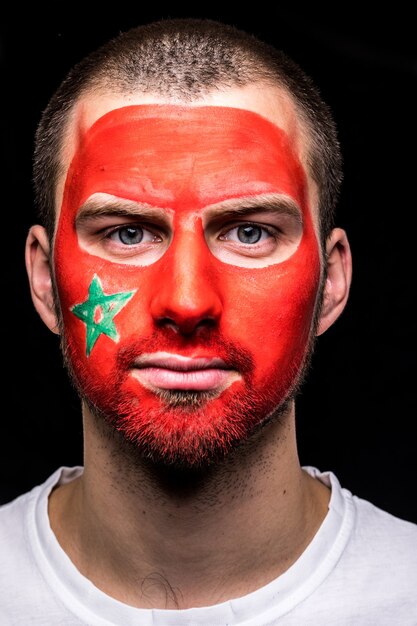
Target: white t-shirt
[{"x": 359, "y": 569}]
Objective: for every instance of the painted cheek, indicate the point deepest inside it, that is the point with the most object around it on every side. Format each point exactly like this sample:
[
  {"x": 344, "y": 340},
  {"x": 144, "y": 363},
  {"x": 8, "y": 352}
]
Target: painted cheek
[
  {"x": 132, "y": 319},
  {"x": 269, "y": 310}
]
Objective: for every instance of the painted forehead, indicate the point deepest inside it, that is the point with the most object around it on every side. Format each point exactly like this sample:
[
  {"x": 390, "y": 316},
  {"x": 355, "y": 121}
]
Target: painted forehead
[{"x": 177, "y": 157}]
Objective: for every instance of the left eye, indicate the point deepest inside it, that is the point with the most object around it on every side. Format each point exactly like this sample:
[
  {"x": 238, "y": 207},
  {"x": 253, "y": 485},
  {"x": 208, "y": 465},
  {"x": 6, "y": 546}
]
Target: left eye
[
  {"x": 247, "y": 234},
  {"x": 131, "y": 235}
]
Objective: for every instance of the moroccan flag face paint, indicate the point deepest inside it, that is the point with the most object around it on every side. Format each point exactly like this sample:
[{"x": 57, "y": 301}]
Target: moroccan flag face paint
[{"x": 187, "y": 268}]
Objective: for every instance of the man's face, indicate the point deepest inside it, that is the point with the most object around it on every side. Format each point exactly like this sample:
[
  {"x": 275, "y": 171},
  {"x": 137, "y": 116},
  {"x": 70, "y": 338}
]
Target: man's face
[{"x": 187, "y": 267}]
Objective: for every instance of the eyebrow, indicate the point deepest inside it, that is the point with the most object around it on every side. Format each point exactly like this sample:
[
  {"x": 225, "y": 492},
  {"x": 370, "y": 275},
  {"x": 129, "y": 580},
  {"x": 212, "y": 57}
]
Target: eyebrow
[
  {"x": 265, "y": 203},
  {"x": 96, "y": 208}
]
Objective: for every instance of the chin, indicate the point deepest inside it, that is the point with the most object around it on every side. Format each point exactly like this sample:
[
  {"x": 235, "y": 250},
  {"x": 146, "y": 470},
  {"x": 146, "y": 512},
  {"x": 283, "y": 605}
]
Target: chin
[{"x": 186, "y": 430}]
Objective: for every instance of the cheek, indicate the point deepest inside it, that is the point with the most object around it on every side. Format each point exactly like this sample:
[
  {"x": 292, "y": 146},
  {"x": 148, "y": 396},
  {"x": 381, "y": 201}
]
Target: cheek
[
  {"x": 75, "y": 271},
  {"x": 269, "y": 312}
]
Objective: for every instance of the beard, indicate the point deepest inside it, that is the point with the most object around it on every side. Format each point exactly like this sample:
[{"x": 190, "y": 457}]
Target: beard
[
  {"x": 180, "y": 429},
  {"x": 185, "y": 430}
]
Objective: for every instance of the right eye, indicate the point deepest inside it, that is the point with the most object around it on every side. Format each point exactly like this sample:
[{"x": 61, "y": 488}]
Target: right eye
[{"x": 132, "y": 235}]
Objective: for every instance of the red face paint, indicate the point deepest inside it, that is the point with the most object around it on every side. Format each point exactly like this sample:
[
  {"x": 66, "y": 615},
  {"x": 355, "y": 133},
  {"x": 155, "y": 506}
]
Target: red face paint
[{"x": 188, "y": 302}]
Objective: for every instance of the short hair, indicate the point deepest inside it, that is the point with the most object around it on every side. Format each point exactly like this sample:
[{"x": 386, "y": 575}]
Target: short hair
[{"x": 187, "y": 59}]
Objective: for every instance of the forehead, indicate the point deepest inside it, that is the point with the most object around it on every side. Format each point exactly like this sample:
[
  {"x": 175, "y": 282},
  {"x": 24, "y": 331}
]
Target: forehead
[{"x": 272, "y": 103}]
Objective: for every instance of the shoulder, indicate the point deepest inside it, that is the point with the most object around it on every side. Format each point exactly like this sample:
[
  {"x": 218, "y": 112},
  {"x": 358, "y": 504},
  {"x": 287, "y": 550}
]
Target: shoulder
[
  {"x": 19, "y": 516},
  {"x": 13, "y": 514},
  {"x": 18, "y": 566},
  {"x": 376, "y": 532},
  {"x": 386, "y": 537},
  {"x": 375, "y": 561},
  {"x": 380, "y": 562},
  {"x": 376, "y": 536},
  {"x": 22, "y": 585},
  {"x": 380, "y": 558},
  {"x": 12, "y": 518}
]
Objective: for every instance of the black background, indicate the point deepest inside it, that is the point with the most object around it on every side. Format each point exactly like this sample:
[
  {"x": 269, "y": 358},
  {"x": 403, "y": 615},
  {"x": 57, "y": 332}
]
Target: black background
[{"x": 356, "y": 414}]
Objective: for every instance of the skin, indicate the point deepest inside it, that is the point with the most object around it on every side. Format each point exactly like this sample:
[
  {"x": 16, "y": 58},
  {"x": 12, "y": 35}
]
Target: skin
[{"x": 204, "y": 557}]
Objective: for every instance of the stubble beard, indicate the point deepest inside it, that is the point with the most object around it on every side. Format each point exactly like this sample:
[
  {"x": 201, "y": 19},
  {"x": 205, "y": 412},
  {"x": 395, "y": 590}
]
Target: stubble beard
[
  {"x": 241, "y": 420},
  {"x": 197, "y": 450}
]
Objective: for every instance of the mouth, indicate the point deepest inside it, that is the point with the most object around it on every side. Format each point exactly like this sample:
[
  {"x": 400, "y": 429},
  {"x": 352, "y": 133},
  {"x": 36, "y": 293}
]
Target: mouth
[{"x": 163, "y": 370}]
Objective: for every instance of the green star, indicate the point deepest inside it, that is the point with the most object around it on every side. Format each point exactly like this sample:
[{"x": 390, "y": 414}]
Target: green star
[{"x": 98, "y": 311}]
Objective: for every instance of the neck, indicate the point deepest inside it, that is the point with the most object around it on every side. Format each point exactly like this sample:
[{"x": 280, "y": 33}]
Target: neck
[{"x": 191, "y": 539}]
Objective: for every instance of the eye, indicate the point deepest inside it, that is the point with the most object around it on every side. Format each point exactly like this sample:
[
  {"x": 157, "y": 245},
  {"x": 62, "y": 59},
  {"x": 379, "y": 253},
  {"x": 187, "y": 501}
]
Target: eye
[
  {"x": 247, "y": 234},
  {"x": 132, "y": 235},
  {"x": 261, "y": 238}
]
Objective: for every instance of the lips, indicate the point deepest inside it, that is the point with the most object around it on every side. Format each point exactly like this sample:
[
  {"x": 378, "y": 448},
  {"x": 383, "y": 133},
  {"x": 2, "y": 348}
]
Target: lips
[{"x": 172, "y": 371}]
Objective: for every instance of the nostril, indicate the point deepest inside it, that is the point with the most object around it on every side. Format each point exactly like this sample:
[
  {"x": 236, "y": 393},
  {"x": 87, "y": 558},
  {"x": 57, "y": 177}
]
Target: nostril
[
  {"x": 209, "y": 321},
  {"x": 186, "y": 327},
  {"x": 193, "y": 326},
  {"x": 165, "y": 321}
]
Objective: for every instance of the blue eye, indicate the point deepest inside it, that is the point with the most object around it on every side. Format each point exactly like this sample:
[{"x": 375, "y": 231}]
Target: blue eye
[
  {"x": 249, "y": 233},
  {"x": 130, "y": 235}
]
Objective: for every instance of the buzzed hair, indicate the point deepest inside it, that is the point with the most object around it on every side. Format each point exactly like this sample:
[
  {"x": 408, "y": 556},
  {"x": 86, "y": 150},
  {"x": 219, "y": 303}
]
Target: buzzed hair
[{"x": 187, "y": 59}]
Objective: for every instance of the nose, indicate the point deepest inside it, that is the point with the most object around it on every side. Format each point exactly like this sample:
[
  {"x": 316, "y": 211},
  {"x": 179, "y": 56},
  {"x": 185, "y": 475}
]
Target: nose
[{"x": 185, "y": 297}]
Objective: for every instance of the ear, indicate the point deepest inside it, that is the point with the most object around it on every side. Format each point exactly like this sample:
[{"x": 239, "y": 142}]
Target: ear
[
  {"x": 339, "y": 277},
  {"x": 37, "y": 256}
]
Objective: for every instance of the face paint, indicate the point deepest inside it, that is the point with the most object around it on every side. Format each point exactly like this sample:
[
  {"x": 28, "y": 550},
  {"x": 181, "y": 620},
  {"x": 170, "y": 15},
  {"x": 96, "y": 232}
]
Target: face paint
[{"x": 131, "y": 322}]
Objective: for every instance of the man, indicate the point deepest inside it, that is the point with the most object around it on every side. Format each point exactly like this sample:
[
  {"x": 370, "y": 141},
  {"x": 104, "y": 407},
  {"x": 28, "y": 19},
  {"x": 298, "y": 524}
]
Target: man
[{"x": 186, "y": 176}]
